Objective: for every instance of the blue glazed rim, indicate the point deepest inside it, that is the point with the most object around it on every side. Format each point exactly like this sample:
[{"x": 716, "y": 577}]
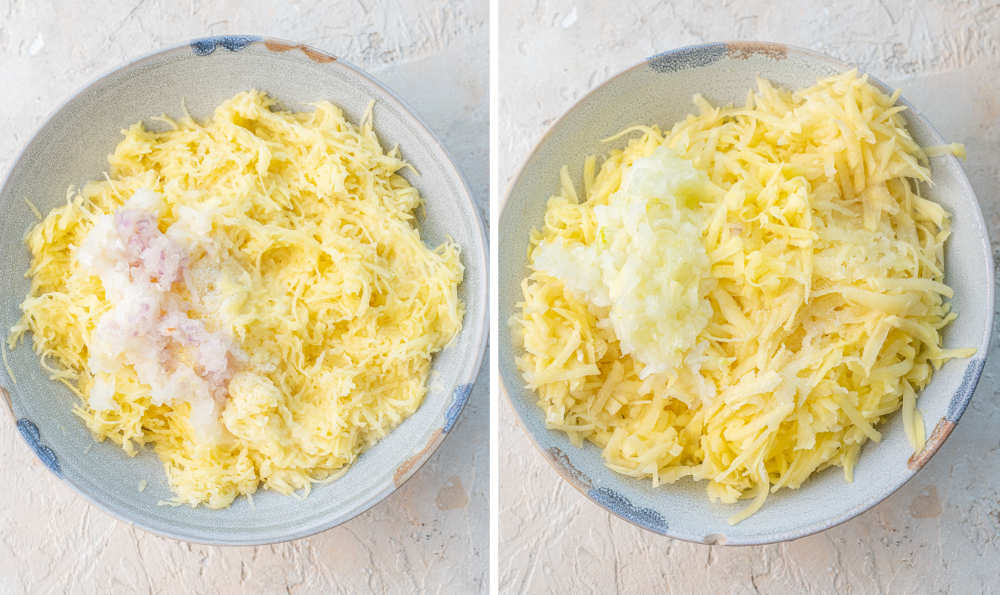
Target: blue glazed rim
[
  {"x": 698, "y": 55},
  {"x": 206, "y": 46}
]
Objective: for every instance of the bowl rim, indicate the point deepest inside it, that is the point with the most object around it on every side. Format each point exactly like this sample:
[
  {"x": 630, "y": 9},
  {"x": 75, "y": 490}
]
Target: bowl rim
[
  {"x": 480, "y": 325},
  {"x": 959, "y": 400}
]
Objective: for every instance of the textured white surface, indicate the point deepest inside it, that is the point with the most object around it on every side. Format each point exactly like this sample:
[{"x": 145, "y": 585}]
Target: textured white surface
[
  {"x": 940, "y": 532},
  {"x": 429, "y": 536}
]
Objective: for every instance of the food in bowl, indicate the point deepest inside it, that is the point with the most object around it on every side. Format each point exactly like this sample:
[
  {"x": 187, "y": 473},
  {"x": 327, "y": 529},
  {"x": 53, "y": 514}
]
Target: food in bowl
[
  {"x": 743, "y": 299},
  {"x": 249, "y": 295}
]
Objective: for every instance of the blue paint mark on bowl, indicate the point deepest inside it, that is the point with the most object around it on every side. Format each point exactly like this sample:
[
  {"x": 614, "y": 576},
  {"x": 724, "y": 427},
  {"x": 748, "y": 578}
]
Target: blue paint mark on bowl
[
  {"x": 233, "y": 43},
  {"x": 686, "y": 58},
  {"x": 34, "y": 439},
  {"x": 964, "y": 393},
  {"x": 620, "y": 505},
  {"x": 461, "y": 396}
]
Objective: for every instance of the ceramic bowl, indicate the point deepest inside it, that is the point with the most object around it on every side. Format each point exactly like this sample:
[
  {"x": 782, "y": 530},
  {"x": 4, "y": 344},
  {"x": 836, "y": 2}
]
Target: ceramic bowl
[
  {"x": 72, "y": 147},
  {"x": 659, "y": 91}
]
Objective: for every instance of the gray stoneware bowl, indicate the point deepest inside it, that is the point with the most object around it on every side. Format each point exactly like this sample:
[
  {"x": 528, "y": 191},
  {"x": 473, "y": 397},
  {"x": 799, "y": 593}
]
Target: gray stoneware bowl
[
  {"x": 659, "y": 91},
  {"x": 72, "y": 147}
]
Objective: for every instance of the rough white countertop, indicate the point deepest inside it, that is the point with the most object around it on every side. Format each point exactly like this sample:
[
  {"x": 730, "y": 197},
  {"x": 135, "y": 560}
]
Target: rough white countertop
[
  {"x": 940, "y": 532},
  {"x": 429, "y": 536}
]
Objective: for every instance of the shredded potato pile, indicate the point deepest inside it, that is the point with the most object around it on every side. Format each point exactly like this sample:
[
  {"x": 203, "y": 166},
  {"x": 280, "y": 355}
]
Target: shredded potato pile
[
  {"x": 826, "y": 293},
  {"x": 312, "y": 263}
]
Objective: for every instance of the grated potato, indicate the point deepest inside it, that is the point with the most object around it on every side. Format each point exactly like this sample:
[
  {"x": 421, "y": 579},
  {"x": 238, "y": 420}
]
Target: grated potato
[
  {"x": 301, "y": 245},
  {"x": 825, "y": 286}
]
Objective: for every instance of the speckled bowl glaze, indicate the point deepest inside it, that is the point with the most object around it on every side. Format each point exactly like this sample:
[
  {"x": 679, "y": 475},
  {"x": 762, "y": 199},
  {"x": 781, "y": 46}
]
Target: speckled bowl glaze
[
  {"x": 659, "y": 91},
  {"x": 72, "y": 147}
]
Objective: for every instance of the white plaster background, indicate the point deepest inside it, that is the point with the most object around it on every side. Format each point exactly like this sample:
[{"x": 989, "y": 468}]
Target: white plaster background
[
  {"x": 937, "y": 534},
  {"x": 429, "y": 536}
]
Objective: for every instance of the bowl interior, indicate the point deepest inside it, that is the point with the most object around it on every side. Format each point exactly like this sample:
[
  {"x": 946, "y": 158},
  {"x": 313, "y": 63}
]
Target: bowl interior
[
  {"x": 72, "y": 148},
  {"x": 659, "y": 91}
]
